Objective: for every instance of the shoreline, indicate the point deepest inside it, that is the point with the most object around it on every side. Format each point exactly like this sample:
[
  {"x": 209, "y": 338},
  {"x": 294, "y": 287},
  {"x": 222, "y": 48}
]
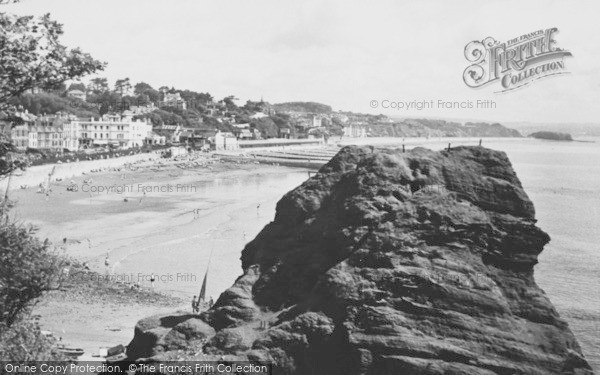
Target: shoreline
[
  {"x": 149, "y": 233},
  {"x": 160, "y": 229}
]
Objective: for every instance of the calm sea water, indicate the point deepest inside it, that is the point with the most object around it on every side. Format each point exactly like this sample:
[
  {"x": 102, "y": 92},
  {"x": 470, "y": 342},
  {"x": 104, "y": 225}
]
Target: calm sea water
[{"x": 563, "y": 181}]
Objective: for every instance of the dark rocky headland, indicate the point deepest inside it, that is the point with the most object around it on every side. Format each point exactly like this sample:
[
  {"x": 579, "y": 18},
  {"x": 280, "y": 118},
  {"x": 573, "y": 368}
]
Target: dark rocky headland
[{"x": 387, "y": 263}]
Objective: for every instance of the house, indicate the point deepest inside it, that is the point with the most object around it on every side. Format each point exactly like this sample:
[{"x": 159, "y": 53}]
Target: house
[
  {"x": 21, "y": 135},
  {"x": 155, "y": 139},
  {"x": 243, "y": 133},
  {"x": 139, "y": 131},
  {"x": 285, "y": 133},
  {"x": 355, "y": 131},
  {"x": 47, "y": 137},
  {"x": 172, "y": 133},
  {"x": 77, "y": 94},
  {"x": 142, "y": 109},
  {"x": 110, "y": 130},
  {"x": 225, "y": 141},
  {"x": 174, "y": 100},
  {"x": 258, "y": 115},
  {"x": 197, "y": 137}
]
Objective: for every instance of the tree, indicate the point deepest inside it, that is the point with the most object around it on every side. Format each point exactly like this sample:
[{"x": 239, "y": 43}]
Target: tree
[
  {"x": 98, "y": 85},
  {"x": 141, "y": 88},
  {"x": 31, "y": 56},
  {"x": 229, "y": 103},
  {"x": 123, "y": 86},
  {"x": 28, "y": 268}
]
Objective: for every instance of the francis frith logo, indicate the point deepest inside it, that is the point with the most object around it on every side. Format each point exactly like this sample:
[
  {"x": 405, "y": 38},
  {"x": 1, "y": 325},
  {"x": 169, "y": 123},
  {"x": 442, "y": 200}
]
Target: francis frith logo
[{"x": 515, "y": 63}]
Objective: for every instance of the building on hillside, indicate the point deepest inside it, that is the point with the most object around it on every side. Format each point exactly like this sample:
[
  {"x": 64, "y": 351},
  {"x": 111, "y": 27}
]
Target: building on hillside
[
  {"x": 355, "y": 131},
  {"x": 316, "y": 121},
  {"x": 258, "y": 115},
  {"x": 341, "y": 117},
  {"x": 174, "y": 100},
  {"x": 142, "y": 109},
  {"x": 77, "y": 94}
]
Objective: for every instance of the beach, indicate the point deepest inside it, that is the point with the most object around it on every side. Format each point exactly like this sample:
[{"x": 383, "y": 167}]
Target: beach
[
  {"x": 177, "y": 219},
  {"x": 167, "y": 218}
]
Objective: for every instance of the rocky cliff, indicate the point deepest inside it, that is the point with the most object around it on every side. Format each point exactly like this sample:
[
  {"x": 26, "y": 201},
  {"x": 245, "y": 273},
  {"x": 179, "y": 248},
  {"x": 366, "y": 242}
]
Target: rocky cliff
[{"x": 387, "y": 263}]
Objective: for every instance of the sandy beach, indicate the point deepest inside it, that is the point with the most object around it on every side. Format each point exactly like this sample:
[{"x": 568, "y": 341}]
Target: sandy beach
[
  {"x": 161, "y": 217},
  {"x": 166, "y": 217}
]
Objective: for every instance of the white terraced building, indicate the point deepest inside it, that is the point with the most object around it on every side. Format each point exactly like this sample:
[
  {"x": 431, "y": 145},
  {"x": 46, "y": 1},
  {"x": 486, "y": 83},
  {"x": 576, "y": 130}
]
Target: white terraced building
[{"x": 109, "y": 130}]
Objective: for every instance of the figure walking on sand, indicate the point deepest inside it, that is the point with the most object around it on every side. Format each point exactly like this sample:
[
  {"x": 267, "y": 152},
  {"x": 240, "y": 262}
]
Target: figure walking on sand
[
  {"x": 152, "y": 279},
  {"x": 195, "y": 309}
]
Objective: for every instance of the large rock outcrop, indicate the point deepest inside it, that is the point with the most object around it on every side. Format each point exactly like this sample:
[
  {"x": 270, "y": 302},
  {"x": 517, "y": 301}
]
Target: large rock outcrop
[{"x": 388, "y": 263}]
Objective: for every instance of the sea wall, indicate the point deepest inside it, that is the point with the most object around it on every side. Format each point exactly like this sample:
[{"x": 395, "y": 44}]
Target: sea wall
[{"x": 35, "y": 175}]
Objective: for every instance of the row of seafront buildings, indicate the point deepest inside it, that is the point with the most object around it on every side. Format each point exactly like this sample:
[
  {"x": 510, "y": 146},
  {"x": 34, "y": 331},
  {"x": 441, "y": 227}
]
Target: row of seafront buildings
[{"x": 63, "y": 131}]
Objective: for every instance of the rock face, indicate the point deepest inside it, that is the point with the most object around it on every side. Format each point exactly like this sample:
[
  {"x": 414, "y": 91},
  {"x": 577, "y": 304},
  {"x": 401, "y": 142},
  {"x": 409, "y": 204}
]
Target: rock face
[{"x": 390, "y": 263}]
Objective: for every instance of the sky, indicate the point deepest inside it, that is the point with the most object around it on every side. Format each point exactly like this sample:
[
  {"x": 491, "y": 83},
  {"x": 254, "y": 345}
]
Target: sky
[{"x": 343, "y": 53}]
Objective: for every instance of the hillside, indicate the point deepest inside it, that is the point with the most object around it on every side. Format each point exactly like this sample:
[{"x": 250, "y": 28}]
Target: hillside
[
  {"x": 440, "y": 128},
  {"x": 309, "y": 107}
]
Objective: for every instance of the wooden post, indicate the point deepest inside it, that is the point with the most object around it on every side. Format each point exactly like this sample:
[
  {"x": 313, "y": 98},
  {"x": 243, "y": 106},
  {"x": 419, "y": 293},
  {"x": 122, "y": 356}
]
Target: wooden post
[{"x": 448, "y": 147}]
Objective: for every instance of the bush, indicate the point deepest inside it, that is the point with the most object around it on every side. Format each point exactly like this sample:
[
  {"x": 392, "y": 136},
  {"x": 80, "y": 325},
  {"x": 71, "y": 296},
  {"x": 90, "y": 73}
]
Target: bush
[
  {"x": 24, "y": 342},
  {"x": 28, "y": 268}
]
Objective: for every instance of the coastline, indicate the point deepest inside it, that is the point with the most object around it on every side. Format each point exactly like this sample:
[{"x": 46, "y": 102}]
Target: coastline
[{"x": 163, "y": 216}]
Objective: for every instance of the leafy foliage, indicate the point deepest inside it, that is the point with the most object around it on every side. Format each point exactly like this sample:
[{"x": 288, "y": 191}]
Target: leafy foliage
[
  {"x": 28, "y": 268},
  {"x": 31, "y": 56},
  {"x": 24, "y": 342}
]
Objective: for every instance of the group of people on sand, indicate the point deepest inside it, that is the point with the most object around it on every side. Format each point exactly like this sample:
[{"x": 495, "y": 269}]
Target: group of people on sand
[{"x": 196, "y": 304}]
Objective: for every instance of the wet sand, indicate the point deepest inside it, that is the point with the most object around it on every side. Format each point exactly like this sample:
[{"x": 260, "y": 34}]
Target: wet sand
[{"x": 158, "y": 219}]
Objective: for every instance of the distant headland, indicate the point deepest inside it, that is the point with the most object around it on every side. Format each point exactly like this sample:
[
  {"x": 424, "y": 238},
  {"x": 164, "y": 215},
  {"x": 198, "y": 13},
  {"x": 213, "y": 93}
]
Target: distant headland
[{"x": 554, "y": 136}]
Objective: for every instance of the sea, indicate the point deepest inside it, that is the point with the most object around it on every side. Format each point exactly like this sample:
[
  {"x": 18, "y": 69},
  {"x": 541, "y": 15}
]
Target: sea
[
  {"x": 561, "y": 178},
  {"x": 563, "y": 181}
]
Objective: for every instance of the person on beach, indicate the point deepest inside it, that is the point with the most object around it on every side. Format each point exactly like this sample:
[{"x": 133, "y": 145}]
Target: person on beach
[
  {"x": 195, "y": 309},
  {"x": 210, "y": 302},
  {"x": 152, "y": 279}
]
